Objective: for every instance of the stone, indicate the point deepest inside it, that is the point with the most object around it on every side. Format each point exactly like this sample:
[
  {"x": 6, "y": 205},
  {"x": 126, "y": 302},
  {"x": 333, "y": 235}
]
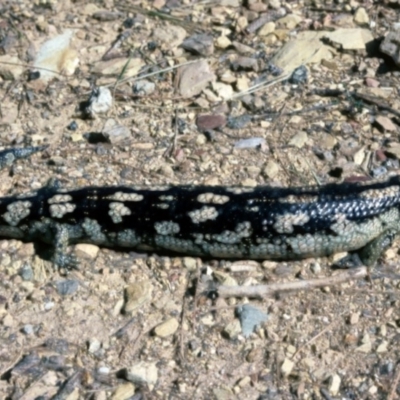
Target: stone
[
  {"x": 137, "y": 295},
  {"x": 385, "y": 123},
  {"x": 289, "y": 21},
  {"x": 86, "y": 250},
  {"x": 11, "y": 68},
  {"x": 169, "y": 37},
  {"x": 191, "y": 79},
  {"x": 361, "y": 16},
  {"x": 143, "y": 373},
  {"x": 268, "y": 28},
  {"x": 167, "y": 328}
]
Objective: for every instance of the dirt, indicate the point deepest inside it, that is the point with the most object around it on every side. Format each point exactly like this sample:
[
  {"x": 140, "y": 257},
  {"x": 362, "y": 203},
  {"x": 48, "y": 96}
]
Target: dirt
[{"x": 138, "y": 326}]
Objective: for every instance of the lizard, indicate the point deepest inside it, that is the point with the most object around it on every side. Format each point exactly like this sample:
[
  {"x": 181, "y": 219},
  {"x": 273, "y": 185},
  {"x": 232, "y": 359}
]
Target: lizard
[{"x": 260, "y": 223}]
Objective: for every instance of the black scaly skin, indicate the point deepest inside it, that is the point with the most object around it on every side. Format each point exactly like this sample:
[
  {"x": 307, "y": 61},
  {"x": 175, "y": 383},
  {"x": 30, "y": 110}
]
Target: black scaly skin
[
  {"x": 211, "y": 221},
  {"x": 7, "y": 157}
]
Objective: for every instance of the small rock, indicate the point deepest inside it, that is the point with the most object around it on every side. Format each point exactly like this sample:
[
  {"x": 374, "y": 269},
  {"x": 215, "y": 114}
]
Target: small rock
[
  {"x": 299, "y": 76},
  {"x": 124, "y": 392},
  {"x": 385, "y": 123},
  {"x": 67, "y": 287},
  {"x": 11, "y": 67},
  {"x": 371, "y": 82},
  {"x": 170, "y": 36},
  {"x": 271, "y": 170},
  {"x": 190, "y": 263},
  {"x": 334, "y": 384},
  {"x": 222, "y": 42},
  {"x": 143, "y": 373},
  {"x": 287, "y": 367},
  {"x": 249, "y": 143},
  {"x": 239, "y": 122},
  {"x": 366, "y": 345},
  {"x": 223, "y": 90},
  {"x": 167, "y": 328},
  {"x": 361, "y": 16},
  {"x": 113, "y": 67},
  {"x": 299, "y": 139},
  {"x": 315, "y": 268},
  {"x": 28, "y": 329},
  {"x": 268, "y": 28},
  {"x": 100, "y": 101},
  {"x": 193, "y": 78},
  {"x": 223, "y": 393},
  {"x": 55, "y": 57},
  {"x": 143, "y": 87},
  {"x": 137, "y": 294},
  {"x": 274, "y": 4},
  {"x": 208, "y": 121},
  {"x": 250, "y": 318},
  {"x": 289, "y": 21},
  {"x": 114, "y": 132},
  {"x": 245, "y": 63},
  {"x": 390, "y": 46},
  {"x": 86, "y": 250},
  {"x": 233, "y": 329},
  {"x": 242, "y": 84},
  {"x": 26, "y": 272},
  {"x": 383, "y": 347},
  {"x": 94, "y": 345},
  {"x": 201, "y": 44},
  {"x": 105, "y": 15}
]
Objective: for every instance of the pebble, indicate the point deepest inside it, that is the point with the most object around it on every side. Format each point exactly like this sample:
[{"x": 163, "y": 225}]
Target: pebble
[
  {"x": 299, "y": 75},
  {"x": 28, "y": 329},
  {"x": 334, "y": 384},
  {"x": 250, "y": 318},
  {"x": 209, "y": 121},
  {"x": 201, "y": 44},
  {"x": 223, "y": 90},
  {"x": 287, "y": 367},
  {"x": 167, "y": 328},
  {"x": 67, "y": 287},
  {"x": 385, "y": 123},
  {"x": 137, "y": 294},
  {"x": 361, "y": 16},
  {"x": 268, "y": 28},
  {"x": 124, "y": 392},
  {"x": 143, "y": 373},
  {"x": 88, "y": 251},
  {"x": 233, "y": 329},
  {"x": 143, "y": 87},
  {"x": 100, "y": 101},
  {"x": 222, "y": 42},
  {"x": 299, "y": 139},
  {"x": 193, "y": 78},
  {"x": 94, "y": 345}
]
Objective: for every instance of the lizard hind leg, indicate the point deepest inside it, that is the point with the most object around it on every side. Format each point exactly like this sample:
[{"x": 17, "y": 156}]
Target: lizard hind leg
[{"x": 370, "y": 253}]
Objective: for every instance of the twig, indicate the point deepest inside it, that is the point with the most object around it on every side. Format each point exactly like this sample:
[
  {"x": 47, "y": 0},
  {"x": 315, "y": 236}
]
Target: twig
[{"x": 269, "y": 290}]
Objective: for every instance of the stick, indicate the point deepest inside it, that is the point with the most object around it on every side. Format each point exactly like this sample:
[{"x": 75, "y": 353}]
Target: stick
[{"x": 269, "y": 290}]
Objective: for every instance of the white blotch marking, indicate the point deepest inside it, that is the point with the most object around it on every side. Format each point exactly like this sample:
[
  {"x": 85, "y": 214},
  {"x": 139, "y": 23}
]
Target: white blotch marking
[
  {"x": 123, "y": 196},
  {"x": 60, "y": 198},
  {"x": 285, "y": 223},
  {"x": 166, "y": 227},
  {"x": 212, "y": 198},
  {"x": 203, "y": 214},
  {"x": 117, "y": 211},
  {"x": 17, "y": 211},
  {"x": 59, "y": 210},
  {"x": 166, "y": 197}
]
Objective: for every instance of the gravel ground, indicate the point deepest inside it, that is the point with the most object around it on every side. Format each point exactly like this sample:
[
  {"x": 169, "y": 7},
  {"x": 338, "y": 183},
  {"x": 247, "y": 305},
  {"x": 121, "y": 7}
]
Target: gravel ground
[{"x": 227, "y": 92}]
